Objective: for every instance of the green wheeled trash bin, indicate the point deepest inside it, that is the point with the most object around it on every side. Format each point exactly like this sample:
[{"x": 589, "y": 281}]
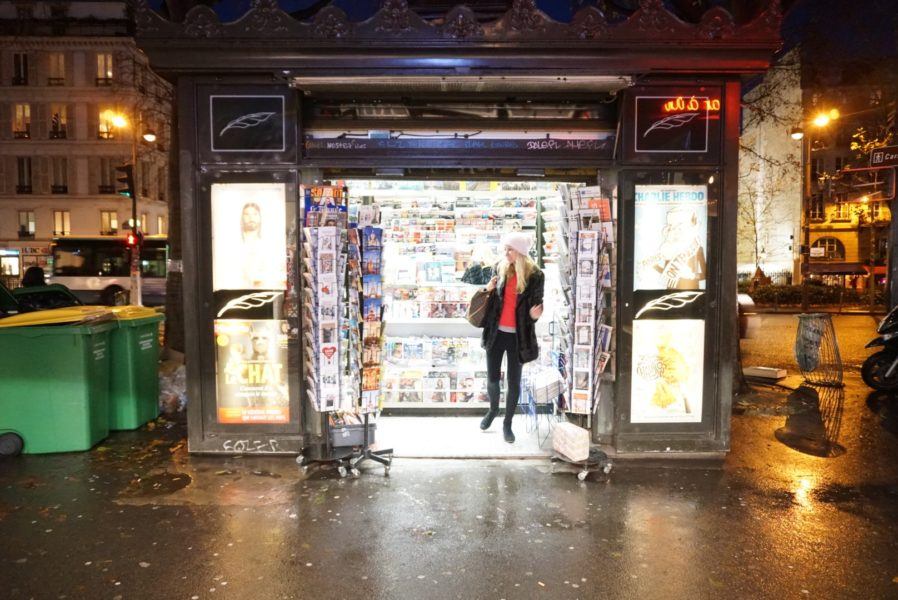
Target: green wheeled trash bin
[
  {"x": 54, "y": 384},
  {"x": 134, "y": 382}
]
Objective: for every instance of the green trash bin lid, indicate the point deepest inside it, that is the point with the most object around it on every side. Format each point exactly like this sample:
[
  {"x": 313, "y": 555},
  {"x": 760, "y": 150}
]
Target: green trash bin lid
[
  {"x": 134, "y": 315},
  {"x": 72, "y": 315},
  {"x": 8, "y": 303},
  {"x": 43, "y": 297}
]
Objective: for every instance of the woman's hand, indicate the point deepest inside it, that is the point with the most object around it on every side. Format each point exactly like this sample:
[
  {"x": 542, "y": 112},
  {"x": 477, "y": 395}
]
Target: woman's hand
[
  {"x": 492, "y": 284},
  {"x": 536, "y": 312}
]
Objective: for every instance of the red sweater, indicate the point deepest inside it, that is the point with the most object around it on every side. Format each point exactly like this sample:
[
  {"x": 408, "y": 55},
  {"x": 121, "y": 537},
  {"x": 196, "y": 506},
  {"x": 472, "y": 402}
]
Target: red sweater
[{"x": 509, "y": 300}]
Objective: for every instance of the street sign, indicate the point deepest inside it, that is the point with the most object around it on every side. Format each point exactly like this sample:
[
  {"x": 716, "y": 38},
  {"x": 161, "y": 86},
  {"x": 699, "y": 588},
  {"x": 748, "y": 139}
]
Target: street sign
[{"x": 887, "y": 156}]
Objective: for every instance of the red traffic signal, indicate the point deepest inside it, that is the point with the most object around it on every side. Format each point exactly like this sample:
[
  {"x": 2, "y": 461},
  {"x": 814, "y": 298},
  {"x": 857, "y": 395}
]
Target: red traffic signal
[{"x": 134, "y": 238}]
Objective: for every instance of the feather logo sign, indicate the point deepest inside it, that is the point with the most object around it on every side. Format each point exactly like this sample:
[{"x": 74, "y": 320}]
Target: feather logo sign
[
  {"x": 675, "y": 124},
  {"x": 247, "y": 123}
]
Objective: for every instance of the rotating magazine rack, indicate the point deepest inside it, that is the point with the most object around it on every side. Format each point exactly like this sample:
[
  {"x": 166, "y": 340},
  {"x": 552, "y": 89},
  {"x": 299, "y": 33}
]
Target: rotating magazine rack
[
  {"x": 588, "y": 281},
  {"x": 342, "y": 341}
]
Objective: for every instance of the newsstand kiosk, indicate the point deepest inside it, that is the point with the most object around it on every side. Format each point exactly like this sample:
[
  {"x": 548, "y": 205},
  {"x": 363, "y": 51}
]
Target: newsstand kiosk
[{"x": 270, "y": 107}]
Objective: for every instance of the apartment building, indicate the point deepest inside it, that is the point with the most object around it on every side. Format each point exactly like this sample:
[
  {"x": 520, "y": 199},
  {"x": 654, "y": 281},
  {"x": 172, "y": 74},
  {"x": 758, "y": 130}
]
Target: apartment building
[{"x": 77, "y": 99}]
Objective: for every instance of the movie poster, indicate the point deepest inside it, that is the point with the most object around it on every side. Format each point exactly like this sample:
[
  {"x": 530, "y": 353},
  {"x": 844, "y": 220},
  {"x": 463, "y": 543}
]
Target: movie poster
[
  {"x": 249, "y": 245},
  {"x": 667, "y": 370},
  {"x": 671, "y": 237},
  {"x": 251, "y": 371}
]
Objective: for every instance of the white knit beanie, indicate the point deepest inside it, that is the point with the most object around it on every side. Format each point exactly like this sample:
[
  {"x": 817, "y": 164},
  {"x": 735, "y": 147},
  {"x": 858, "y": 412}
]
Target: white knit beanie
[{"x": 518, "y": 241}]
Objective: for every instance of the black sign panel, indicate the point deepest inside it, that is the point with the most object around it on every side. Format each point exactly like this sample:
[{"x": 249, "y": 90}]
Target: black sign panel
[
  {"x": 887, "y": 156},
  {"x": 584, "y": 149},
  {"x": 673, "y": 125},
  {"x": 247, "y": 123}
]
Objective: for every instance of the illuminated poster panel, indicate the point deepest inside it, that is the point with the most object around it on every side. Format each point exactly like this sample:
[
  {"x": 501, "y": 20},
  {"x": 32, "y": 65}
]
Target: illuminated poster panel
[
  {"x": 667, "y": 371},
  {"x": 671, "y": 223},
  {"x": 249, "y": 247},
  {"x": 251, "y": 371}
]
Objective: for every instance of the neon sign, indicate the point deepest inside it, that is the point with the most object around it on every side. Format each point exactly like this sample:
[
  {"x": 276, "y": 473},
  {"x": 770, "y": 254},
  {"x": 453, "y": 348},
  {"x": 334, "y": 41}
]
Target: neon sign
[{"x": 681, "y": 103}]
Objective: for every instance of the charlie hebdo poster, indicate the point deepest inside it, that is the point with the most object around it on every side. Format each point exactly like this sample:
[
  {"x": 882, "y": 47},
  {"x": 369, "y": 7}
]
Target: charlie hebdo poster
[
  {"x": 667, "y": 370},
  {"x": 251, "y": 370},
  {"x": 249, "y": 245},
  {"x": 671, "y": 237}
]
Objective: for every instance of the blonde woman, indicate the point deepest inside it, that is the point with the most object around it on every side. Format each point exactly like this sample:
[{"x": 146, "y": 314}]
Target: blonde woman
[{"x": 514, "y": 306}]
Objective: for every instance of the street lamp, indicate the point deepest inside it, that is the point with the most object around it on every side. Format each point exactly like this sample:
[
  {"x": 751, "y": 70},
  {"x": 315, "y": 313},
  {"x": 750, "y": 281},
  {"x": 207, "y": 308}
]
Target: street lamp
[
  {"x": 149, "y": 136},
  {"x": 821, "y": 120}
]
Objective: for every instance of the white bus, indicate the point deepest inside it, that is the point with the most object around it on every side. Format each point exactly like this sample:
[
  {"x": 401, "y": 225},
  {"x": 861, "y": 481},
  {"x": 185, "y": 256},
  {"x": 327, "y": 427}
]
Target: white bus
[{"x": 97, "y": 269}]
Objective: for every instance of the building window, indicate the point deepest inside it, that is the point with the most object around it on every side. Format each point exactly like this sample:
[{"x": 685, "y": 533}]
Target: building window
[
  {"x": 842, "y": 210},
  {"x": 833, "y": 249},
  {"x": 26, "y": 224},
  {"x": 60, "y": 184},
  {"x": 841, "y": 163},
  {"x": 20, "y": 68},
  {"x": 160, "y": 226},
  {"x": 145, "y": 178},
  {"x": 62, "y": 222},
  {"x": 106, "y": 125},
  {"x": 816, "y": 210},
  {"x": 23, "y": 169},
  {"x": 21, "y": 126},
  {"x": 816, "y": 168},
  {"x": 108, "y": 222},
  {"x": 58, "y": 121},
  {"x": 107, "y": 177},
  {"x": 104, "y": 69},
  {"x": 877, "y": 210},
  {"x": 57, "y": 69}
]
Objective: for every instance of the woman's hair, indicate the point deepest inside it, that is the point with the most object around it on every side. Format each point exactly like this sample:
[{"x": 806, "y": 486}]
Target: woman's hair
[
  {"x": 523, "y": 267},
  {"x": 34, "y": 276}
]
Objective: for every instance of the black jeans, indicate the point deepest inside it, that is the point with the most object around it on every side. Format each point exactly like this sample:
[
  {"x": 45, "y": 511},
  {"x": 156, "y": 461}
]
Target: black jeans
[{"x": 506, "y": 343}]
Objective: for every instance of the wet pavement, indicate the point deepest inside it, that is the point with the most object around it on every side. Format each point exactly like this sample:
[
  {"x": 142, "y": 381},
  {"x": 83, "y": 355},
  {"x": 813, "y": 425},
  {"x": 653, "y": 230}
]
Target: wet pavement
[{"x": 138, "y": 517}]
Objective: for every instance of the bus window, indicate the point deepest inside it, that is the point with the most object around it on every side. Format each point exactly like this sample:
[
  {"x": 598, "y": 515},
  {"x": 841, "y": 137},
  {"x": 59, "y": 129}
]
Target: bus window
[
  {"x": 111, "y": 260},
  {"x": 71, "y": 261},
  {"x": 152, "y": 261}
]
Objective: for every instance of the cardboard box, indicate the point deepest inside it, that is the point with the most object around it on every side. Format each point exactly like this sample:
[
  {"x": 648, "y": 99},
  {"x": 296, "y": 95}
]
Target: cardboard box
[{"x": 571, "y": 441}]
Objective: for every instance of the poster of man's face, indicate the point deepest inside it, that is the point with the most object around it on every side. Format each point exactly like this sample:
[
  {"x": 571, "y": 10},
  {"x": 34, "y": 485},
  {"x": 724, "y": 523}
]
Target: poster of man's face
[{"x": 249, "y": 248}]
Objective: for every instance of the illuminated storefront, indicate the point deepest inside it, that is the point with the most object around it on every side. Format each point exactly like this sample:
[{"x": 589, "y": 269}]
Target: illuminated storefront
[{"x": 261, "y": 119}]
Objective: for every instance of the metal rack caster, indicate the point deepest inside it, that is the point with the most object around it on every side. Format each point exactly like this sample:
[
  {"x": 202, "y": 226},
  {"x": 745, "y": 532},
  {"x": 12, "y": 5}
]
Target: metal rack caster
[
  {"x": 386, "y": 470},
  {"x": 355, "y": 472},
  {"x": 582, "y": 475},
  {"x": 606, "y": 469},
  {"x": 342, "y": 471}
]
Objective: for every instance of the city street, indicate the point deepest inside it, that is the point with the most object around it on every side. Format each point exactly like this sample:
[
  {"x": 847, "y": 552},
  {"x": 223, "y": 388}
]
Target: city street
[{"x": 137, "y": 517}]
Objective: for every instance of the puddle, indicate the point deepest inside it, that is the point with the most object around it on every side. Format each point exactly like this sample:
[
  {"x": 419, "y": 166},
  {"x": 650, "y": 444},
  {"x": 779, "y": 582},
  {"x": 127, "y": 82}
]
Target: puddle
[{"x": 160, "y": 484}]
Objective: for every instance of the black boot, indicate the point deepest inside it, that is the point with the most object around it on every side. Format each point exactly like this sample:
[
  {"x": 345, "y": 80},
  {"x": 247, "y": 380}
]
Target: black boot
[
  {"x": 507, "y": 433},
  {"x": 488, "y": 419},
  {"x": 492, "y": 390}
]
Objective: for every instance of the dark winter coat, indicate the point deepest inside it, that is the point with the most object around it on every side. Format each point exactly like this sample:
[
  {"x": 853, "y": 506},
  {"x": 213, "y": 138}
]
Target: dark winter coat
[
  {"x": 478, "y": 274},
  {"x": 525, "y": 326}
]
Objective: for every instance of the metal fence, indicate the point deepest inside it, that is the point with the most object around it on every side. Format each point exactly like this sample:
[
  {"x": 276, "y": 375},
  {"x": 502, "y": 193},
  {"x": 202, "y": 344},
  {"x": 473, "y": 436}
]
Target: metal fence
[{"x": 776, "y": 277}]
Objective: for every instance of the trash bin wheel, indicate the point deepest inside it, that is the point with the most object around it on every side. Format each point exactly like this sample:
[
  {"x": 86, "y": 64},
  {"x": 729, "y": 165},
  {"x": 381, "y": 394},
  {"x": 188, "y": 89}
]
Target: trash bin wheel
[{"x": 11, "y": 444}]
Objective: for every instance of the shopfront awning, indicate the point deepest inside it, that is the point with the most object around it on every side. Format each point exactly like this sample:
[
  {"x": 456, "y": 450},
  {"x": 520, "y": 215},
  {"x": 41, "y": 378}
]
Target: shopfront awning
[{"x": 837, "y": 268}]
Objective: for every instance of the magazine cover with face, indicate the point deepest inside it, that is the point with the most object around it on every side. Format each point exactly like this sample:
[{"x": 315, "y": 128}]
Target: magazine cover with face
[
  {"x": 249, "y": 245},
  {"x": 671, "y": 224},
  {"x": 667, "y": 371},
  {"x": 251, "y": 371}
]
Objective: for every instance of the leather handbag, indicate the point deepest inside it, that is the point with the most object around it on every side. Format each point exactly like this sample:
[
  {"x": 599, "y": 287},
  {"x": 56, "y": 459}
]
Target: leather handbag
[{"x": 477, "y": 307}]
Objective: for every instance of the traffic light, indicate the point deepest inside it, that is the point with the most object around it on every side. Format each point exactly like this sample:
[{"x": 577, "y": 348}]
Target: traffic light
[
  {"x": 134, "y": 238},
  {"x": 125, "y": 181}
]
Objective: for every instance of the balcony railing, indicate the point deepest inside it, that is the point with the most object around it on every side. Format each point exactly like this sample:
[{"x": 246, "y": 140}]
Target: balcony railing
[
  {"x": 23, "y": 189},
  {"x": 57, "y": 134},
  {"x": 105, "y": 188},
  {"x": 22, "y": 135},
  {"x": 109, "y": 232},
  {"x": 104, "y": 81},
  {"x": 63, "y": 232},
  {"x": 59, "y": 189},
  {"x": 24, "y": 234},
  {"x": 20, "y": 81},
  {"x": 56, "y": 81}
]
